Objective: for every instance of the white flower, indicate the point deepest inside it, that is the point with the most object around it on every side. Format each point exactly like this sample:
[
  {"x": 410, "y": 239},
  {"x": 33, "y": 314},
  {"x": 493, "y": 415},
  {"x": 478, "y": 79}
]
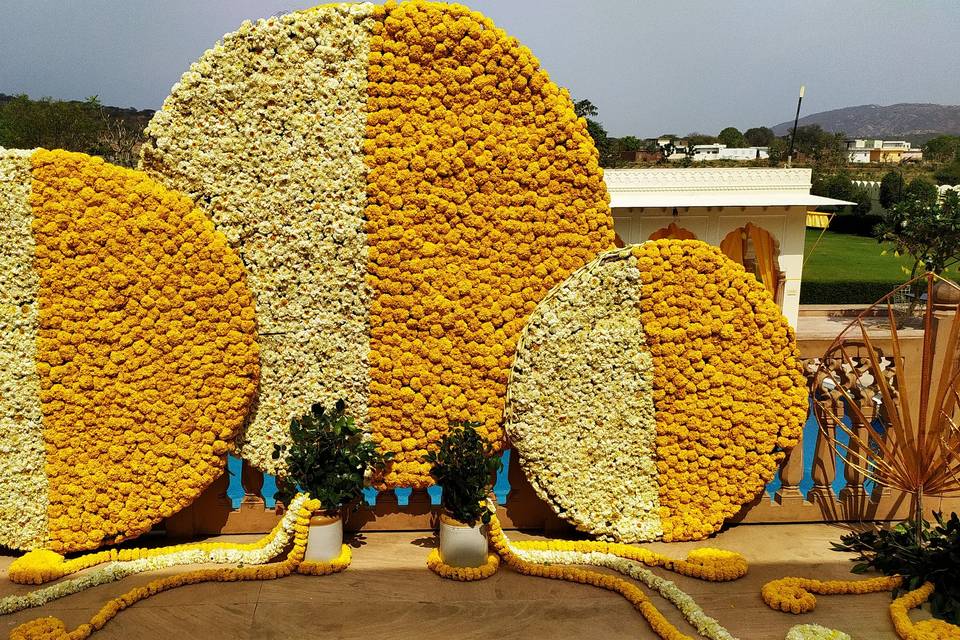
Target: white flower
[
  {"x": 815, "y": 632},
  {"x": 580, "y": 407},
  {"x": 271, "y": 147},
  {"x": 118, "y": 570},
  {"x": 23, "y": 482}
]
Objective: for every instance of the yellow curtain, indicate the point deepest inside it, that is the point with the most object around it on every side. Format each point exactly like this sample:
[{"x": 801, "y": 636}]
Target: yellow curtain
[
  {"x": 766, "y": 257},
  {"x": 672, "y": 232},
  {"x": 732, "y": 245}
]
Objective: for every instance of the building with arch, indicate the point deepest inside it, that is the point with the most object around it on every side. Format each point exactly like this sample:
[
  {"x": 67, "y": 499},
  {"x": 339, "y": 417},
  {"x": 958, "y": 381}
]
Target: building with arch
[{"x": 756, "y": 216}]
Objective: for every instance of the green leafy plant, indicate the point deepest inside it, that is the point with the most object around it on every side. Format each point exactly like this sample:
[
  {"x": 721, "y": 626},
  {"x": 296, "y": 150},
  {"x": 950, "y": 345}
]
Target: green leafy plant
[
  {"x": 465, "y": 466},
  {"x": 328, "y": 457},
  {"x": 930, "y": 555}
]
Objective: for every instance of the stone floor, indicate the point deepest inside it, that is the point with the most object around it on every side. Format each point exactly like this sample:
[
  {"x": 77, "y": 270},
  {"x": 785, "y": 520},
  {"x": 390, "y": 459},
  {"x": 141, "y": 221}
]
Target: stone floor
[{"x": 389, "y": 593}]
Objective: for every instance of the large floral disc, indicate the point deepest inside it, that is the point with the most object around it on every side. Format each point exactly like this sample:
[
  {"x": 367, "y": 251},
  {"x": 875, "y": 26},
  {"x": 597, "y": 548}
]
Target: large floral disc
[
  {"x": 130, "y": 354},
  {"x": 655, "y": 392},
  {"x": 412, "y": 185}
]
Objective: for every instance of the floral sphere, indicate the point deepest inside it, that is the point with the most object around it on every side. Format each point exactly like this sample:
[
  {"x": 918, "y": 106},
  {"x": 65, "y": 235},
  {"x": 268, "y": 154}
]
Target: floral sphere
[
  {"x": 412, "y": 184},
  {"x": 655, "y": 392},
  {"x": 130, "y": 354}
]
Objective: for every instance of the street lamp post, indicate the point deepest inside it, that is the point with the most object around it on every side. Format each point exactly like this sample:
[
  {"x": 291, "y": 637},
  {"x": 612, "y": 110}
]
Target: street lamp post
[{"x": 793, "y": 135}]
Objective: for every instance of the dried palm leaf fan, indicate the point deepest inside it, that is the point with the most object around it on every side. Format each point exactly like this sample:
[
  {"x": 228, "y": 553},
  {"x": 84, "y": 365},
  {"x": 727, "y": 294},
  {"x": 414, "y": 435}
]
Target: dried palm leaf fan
[{"x": 915, "y": 448}]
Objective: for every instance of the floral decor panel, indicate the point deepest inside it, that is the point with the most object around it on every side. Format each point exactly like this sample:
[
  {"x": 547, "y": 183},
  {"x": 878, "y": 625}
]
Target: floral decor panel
[
  {"x": 676, "y": 385},
  {"x": 141, "y": 334},
  {"x": 405, "y": 184}
]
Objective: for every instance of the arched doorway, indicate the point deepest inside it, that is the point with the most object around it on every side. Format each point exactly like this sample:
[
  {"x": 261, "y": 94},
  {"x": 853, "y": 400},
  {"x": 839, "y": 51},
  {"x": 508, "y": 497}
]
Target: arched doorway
[{"x": 754, "y": 248}]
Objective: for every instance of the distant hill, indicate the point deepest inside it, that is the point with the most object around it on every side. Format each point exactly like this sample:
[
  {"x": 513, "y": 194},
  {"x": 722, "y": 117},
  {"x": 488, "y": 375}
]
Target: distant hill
[{"x": 906, "y": 121}]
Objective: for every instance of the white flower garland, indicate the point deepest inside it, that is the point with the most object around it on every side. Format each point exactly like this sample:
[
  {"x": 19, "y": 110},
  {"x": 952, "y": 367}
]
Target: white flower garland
[
  {"x": 265, "y": 133},
  {"x": 815, "y": 632},
  {"x": 707, "y": 627},
  {"x": 582, "y": 367},
  {"x": 23, "y": 481},
  {"x": 118, "y": 570}
]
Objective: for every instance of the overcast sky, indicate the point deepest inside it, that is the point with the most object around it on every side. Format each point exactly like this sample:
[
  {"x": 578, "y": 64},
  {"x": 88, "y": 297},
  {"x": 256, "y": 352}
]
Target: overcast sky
[{"x": 651, "y": 68}]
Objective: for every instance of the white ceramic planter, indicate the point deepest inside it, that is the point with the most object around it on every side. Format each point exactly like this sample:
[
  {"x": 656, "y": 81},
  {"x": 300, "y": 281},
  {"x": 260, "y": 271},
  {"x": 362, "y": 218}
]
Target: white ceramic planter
[
  {"x": 462, "y": 546},
  {"x": 325, "y": 538}
]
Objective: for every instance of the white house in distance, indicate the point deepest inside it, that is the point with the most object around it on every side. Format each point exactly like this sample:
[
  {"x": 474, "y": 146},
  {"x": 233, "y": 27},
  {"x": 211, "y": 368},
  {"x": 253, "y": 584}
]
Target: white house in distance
[
  {"x": 861, "y": 151},
  {"x": 757, "y": 217},
  {"x": 707, "y": 152}
]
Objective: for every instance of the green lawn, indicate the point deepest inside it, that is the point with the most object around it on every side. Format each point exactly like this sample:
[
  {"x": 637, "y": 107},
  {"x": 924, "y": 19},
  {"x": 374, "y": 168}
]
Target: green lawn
[{"x": 848, "y": 268}]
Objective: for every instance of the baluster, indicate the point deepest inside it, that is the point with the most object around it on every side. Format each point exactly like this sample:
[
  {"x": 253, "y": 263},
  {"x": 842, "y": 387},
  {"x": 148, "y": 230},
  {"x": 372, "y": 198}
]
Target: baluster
[
  {"x": 853, "y": 490},
  {"x": 252, "y": 480},
  {"x": 824, "y": 455},
  {"x": 435, "y": 492},
  {"x": 501, "y": 488},
  {"x": 791, "y": 473},
  {"x": 370, "y": 496},
  {"x": 403, "y": 496},
  {"x": 235, "y": 490}
]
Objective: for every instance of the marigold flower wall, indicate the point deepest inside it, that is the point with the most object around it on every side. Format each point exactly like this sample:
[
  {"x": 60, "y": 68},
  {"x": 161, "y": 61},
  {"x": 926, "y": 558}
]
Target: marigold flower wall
[
  {"x": 144, "y": 351},
  {"x": 412, "y": 185}
]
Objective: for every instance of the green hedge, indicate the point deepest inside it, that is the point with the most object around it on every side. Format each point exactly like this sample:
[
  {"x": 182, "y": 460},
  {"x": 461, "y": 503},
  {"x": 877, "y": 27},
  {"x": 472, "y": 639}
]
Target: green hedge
[{"x": 844, "y": 292}]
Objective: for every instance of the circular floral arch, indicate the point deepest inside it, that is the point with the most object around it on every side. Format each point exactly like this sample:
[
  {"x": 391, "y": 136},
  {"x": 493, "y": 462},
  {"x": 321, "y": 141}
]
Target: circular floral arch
[
  {"x": 655, "y": 392},
  {"x": 130, "y": 354},
  {"x": 404, "y": 184}
]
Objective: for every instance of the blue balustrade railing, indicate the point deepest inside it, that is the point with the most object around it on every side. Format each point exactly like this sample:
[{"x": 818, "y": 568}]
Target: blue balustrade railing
[{"x": 236, "y": 492}]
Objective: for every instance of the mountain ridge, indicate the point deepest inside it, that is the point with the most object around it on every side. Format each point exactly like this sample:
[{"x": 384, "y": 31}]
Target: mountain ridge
[{"x": 913, "y": 121}]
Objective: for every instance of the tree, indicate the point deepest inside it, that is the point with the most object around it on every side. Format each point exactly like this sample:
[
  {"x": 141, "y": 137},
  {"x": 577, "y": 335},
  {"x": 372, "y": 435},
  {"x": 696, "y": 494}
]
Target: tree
[
  {"x": 928, "y": 230},
  {"x": 630, "y": 143},
  {"x": 695, "y": 138},
  {"x": 587, "y": 110},
  {"x": 942, "y": 148},
  {"x": 584, "y": 109},
  {"x": 839, "y": 186},
  {"x": 731, "y": 137},
  {"x": 921, "y": 189},
  {"x": 948, "y": 174},
  {"x": 759, "y": 136},
  {"x": 52, "y": 124},
  {"x": 777, "y": 151},
  {"x": 891, "y": 189}
]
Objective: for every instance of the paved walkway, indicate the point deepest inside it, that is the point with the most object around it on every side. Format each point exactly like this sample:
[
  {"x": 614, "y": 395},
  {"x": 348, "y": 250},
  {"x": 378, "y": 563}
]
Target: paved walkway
[{"x": 389, "y": 594}]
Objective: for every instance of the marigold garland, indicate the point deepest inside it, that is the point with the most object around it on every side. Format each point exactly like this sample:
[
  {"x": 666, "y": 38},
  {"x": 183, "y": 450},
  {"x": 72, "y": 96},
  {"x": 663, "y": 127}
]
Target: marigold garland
[
  {"x": 554, "y": 559},
  {"x": 795, "y": 595},
  {"x": 926, "y": 629},
  {"x": 51, "y": 628},
  {"x": 463, "y": 574},
  {"x": 42, "y": 565}
]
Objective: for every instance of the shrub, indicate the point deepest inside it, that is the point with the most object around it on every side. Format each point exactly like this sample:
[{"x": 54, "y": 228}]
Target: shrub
[
  {"x": 933, "y": 556},
  {"x": 328, "y": 457},
  {"x": 465, "y": 465}
]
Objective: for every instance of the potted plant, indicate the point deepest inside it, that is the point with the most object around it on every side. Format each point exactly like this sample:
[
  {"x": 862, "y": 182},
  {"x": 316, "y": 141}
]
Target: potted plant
[
  {"x": 465, "y": 466},
  {"x": 329, "y": 457}
]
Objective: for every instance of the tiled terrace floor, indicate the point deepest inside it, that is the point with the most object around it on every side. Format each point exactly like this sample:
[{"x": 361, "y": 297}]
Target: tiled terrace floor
[{"x": 388, "y": 593}]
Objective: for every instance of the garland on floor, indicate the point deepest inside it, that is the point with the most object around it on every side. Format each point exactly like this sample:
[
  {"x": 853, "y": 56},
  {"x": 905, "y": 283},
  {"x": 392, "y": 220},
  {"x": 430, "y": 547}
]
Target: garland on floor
[
  {"x": 555, "y": 559},
  {"x": 926, "y": 629},
  {"x": 795, "y": 595},
  {"x": 815, "y": 632},
  {"x": 302, "y": 508},
  {"x": 464, "y": 574}
]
